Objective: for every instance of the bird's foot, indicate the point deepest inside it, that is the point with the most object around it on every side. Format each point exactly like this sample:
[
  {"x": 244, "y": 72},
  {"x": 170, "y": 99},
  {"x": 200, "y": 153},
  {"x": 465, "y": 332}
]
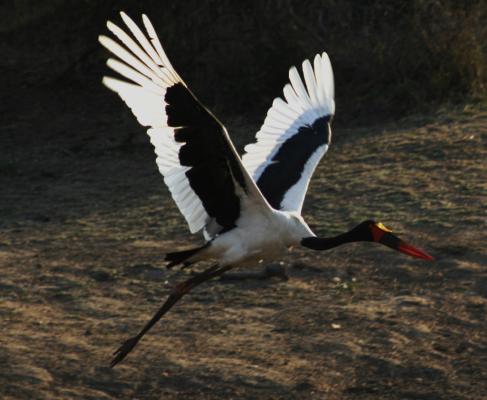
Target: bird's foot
[{"x": 123, "y": 350}]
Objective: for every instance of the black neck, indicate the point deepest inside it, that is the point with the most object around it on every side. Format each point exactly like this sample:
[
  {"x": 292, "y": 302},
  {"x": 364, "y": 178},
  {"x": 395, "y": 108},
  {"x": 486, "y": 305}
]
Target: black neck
[{"x": 317, "y": 243}]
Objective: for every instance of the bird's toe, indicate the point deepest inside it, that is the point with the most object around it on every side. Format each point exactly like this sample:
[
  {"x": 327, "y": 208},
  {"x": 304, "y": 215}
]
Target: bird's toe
[{"x": 123, "y": 350}]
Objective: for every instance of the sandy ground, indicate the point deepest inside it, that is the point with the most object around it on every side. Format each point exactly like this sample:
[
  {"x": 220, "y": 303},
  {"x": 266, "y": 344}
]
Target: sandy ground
[{"x": 85, "y": 220}]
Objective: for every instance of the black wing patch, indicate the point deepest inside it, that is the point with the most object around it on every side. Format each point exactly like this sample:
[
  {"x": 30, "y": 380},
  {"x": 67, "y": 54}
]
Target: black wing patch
[
  {"x": 288, "y": 163},
  {"x": 214, "y": 167}
]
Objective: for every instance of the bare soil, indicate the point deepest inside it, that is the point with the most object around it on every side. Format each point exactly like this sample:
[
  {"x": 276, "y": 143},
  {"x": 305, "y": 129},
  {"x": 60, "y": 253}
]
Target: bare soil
[{"x": 85, "y": 220}]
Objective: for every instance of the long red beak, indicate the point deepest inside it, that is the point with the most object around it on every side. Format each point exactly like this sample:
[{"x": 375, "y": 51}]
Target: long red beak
[
  {"x": 389, "y": 240},
  {"x": 413, "y": 251}
]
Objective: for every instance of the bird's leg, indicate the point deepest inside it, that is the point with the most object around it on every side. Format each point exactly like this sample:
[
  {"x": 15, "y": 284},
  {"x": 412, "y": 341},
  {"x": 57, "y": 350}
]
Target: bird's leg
[{"x": 177, "y": 292}]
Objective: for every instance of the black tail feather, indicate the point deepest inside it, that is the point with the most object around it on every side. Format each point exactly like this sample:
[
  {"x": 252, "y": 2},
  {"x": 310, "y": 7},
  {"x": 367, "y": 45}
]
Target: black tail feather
[{"x": 179, "y": 257}]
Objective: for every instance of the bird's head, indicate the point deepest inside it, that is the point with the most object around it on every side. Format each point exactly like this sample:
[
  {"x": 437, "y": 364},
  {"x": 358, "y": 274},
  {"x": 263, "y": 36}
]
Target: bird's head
[{"x": 371, "y": 231}]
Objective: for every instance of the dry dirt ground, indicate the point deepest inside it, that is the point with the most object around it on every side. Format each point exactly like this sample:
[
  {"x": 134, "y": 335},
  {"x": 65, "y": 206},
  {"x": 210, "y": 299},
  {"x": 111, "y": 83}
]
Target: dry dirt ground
[{"x": 85, "y": 220}]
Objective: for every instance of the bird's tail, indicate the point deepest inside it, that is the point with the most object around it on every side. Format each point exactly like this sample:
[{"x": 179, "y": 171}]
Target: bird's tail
[{"x": 180, "y": 257}]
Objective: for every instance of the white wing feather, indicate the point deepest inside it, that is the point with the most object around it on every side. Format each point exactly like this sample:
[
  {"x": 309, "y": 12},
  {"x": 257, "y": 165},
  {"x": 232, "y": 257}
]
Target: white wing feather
[
  {"x": 147, "y": 66},
  {"x": 304, "y": 103},
  {"x": 143, "y": 62}
]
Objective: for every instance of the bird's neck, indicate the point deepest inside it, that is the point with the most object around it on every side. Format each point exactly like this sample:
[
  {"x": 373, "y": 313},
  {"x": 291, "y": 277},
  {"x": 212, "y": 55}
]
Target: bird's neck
[{"x": 317, "y": 243}]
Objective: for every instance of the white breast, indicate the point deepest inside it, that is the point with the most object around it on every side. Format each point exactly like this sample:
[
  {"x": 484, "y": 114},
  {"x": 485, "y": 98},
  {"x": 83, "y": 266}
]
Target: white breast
[{"x": 259, "y": 236}]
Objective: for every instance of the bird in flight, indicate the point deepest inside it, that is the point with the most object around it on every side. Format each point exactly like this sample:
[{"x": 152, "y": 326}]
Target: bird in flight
[{"x": 249, "y": 208}]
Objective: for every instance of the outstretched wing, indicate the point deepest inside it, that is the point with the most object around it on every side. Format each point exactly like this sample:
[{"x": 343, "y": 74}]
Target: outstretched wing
[
  {"x": 295, "y": 135},
  {"x": 194, "y": 152}
]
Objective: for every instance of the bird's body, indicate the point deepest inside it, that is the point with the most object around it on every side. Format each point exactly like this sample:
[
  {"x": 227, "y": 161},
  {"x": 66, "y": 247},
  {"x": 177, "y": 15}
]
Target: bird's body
[
  {"x": 262, "y": 235},
  {"x": 249, "y": 208}
]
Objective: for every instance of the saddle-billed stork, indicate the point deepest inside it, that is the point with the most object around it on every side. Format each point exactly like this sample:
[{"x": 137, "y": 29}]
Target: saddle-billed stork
[{"x": 248, "y": 208}]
